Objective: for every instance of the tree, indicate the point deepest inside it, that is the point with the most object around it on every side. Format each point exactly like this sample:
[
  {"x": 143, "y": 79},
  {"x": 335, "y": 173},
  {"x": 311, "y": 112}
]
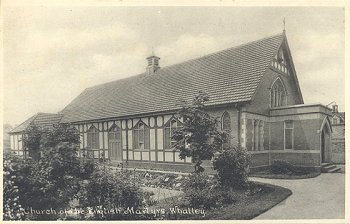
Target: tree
[
  {"x": 199, "y": 138},
  {"x": 51, "y": 180},
  {"x": 31, "y": 140}
]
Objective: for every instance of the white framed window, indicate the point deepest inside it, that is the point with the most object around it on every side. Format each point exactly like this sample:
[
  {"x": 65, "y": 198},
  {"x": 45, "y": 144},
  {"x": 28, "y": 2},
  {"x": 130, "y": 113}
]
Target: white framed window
[
  {"x": 141, "y": 136},
  {"x": 169, "y": 130},
  {"x": 288, "y": 134}
]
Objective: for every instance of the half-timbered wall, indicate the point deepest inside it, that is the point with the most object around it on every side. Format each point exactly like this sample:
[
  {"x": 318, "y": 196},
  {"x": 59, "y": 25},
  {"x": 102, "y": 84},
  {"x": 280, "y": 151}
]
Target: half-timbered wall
[{"x": 142, "y": 139}]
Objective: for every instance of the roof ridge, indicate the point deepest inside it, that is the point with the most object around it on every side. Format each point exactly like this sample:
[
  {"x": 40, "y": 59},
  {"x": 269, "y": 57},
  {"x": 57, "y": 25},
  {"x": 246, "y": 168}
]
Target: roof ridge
[
  {"x": 190, "y": 60},
  {"x": 224, "y": 50}
]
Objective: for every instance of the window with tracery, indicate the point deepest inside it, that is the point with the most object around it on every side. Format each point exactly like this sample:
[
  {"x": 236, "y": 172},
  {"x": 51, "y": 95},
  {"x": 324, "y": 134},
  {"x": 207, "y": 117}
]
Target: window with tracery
[
  {"x": 141, "y": 136},
  {"x": 169, "y": 130},
  {"x": 278, "y": 94}
]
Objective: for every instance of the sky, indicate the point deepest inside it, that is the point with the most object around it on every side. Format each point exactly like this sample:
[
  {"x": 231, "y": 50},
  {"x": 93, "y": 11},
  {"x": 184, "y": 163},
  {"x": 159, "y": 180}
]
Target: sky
[{"x": 51, "y": 54}]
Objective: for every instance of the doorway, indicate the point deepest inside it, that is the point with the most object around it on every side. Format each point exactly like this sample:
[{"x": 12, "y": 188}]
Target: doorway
[
  {"x": 114, "y": 144},
  {"x": 325, "y": 144}
]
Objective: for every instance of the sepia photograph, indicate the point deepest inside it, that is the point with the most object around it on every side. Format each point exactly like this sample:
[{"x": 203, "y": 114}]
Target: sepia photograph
[{"x": 173, "y": 112}]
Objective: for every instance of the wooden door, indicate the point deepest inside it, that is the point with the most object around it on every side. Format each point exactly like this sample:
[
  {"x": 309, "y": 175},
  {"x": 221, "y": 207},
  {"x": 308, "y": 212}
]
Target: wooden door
[{"x": 114, "y": 144}]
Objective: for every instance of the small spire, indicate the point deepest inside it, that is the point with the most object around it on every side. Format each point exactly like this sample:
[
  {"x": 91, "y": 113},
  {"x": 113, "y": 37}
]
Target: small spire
[{"x": 284, "y": 24}]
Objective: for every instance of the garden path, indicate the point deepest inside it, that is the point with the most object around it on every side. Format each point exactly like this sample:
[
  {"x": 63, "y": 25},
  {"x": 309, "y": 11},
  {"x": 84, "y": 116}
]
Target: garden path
[{"x": 322, "y": 197}]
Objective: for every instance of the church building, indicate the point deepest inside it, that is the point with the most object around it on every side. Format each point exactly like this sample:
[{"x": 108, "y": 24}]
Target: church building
[{"x": 253, "y": 89}]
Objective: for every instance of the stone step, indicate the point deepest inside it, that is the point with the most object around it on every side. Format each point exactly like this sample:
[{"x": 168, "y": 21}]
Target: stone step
[
  {"x": 325, "y": 164},
  {"x": 334, "y": 170},
  {"x": 329, "y": 166}
]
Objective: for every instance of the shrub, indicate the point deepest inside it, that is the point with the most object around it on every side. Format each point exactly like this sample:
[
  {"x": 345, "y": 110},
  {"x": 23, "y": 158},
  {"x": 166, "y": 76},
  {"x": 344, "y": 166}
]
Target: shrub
[
  {"x": 87, "y": 168},
  {"x": 199, "y": 190},
  {"x": 232, "y": 167},
  {"x": 282, "y": 167},
  {"x": 203, "y": 191},
  {"x": 12, "y": 209},
  {"x": 107, "y": 190}
]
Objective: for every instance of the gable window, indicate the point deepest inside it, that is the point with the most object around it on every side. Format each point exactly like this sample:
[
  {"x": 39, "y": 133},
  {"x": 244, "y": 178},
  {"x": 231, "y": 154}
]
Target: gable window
[
  {"x": 288, "y": 135},
  {"x": 226, "y": 127},
  {"x": 278, "y": 94},
  {"x": 92, "y": 138},
  {"x": 279, "y": 62},
  {"x": 141, "y": 136},
  {"x": 169, "y": 130}
]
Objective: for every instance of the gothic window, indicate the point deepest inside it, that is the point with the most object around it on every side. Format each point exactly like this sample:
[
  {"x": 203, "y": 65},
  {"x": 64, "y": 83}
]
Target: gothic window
[
  {"x": 169, "y": 130},
  {"x": 226, "y": 127},
  {"x": 288, "y": 135},
  {"x": 278, "y": 94},
  {"x": 141, "y": 136},
  {"x": 93, "y": 138}
]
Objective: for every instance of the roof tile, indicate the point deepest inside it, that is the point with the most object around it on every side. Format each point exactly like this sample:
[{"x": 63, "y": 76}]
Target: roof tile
[{"x": 227, "y": 76}]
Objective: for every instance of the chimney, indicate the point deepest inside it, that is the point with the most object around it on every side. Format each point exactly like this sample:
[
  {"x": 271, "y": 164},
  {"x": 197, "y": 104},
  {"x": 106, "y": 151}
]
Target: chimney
[
  {"x": 152, "y": 64},
  {"x": 335, "y": 108}
]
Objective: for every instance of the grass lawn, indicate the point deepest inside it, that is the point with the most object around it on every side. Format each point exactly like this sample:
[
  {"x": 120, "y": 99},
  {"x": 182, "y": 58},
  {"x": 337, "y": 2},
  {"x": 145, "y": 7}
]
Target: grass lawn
[
  {"x": 246, "y": 207},
  {"x": 270, "y": 175}
]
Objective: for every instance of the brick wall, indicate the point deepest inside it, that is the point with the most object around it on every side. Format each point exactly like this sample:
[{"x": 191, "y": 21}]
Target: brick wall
[
  {"x": 261, "y": 101},
  {"x": 338, "y": 143},
  {"x": 277, "y": 135},
  {"x": 298, "y": 159}
]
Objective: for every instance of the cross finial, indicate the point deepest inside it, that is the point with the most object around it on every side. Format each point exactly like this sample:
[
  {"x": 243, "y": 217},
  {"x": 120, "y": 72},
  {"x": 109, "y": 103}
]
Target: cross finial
[{"x": 284, "y": 24}]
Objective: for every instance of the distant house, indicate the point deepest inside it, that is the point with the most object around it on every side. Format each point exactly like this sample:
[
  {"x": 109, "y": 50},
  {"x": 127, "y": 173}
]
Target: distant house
[
  {"x": 6, "y": 137},
  {"x": 253, "y": 89},
  {"x": 42, "y": 120},
  {"x": 338, "y": 135}
]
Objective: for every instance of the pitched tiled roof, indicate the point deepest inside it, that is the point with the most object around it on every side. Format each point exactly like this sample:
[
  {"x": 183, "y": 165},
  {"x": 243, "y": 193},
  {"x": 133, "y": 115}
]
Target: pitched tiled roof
[
  {"x": 43, "y": 120},
  {"x": 227, "y": 76}
]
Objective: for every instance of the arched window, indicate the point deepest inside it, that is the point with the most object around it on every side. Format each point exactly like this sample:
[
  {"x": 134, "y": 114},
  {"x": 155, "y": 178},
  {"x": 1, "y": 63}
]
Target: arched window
[
  {"x": 258, "y": 135},
  {"x": 141, "y": 136},
  {"x": 114, "y": 142},
  {"x": 226, "y": 127},
  {"x": 169, "y": 130},
  {"x": 278, "y": 94},
  {"x": 93, "y": 138},
  {"x": 261, "y": 135}
]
